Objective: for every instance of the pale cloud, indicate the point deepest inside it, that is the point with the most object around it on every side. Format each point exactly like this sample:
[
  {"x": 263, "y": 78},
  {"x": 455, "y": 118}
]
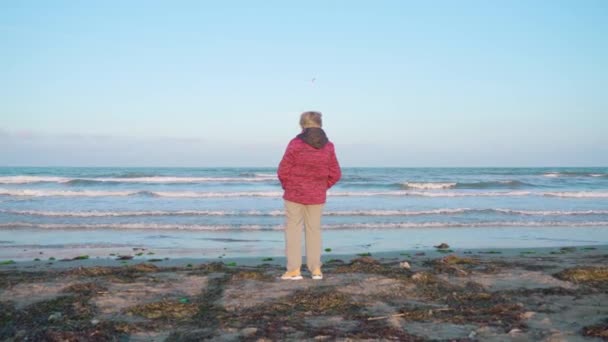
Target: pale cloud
[{"x": 25, "y": 148}]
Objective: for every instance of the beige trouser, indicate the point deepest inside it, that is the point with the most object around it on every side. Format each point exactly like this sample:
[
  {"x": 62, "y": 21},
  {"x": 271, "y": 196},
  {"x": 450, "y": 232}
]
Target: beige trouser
[{"x": 310, "y": 215}]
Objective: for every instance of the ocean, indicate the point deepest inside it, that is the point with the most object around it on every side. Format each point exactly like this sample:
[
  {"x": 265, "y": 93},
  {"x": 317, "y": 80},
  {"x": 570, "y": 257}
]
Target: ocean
[{"x": 239, "y": 211}]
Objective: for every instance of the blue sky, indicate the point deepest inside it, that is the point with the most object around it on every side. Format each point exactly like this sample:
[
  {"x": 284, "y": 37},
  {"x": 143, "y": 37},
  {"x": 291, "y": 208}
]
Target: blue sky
[{"x": 400, "y": 83}]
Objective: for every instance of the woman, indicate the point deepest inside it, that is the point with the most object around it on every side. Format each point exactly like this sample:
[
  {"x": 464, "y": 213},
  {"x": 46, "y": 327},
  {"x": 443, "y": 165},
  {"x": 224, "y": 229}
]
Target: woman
[{"x": 309, "y": 167}]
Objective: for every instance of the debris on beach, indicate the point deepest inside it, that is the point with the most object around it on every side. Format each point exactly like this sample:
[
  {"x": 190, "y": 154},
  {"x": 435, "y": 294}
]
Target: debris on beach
[
  {"x": 165, "y": 309},
  {"x": 597, "y": 330},
  {"x": 447, "y": 298},
  {"x": 456, "y": 260},
  {"x": 124, "y": 257},
  {"x": 585, "y": 275},
  {"x": 79, "y": 257},
  {"x": 258, "y": 275}
]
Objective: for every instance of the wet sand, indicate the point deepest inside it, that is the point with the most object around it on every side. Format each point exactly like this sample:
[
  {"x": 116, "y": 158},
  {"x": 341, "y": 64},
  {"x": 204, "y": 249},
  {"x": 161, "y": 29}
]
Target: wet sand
[{"x": 550, "y": 294}]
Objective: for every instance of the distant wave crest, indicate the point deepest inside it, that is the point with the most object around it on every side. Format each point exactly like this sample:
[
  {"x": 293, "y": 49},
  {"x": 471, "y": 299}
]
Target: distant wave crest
[
  {"x": 574, "y": 174},
  {"x": 136, "y": 178},
  {"x": 245, "y": 227},
  {"x": 500, "y": 184},
  {"x": 274, "y": 213},
  {"x": 195, "y": 194}
]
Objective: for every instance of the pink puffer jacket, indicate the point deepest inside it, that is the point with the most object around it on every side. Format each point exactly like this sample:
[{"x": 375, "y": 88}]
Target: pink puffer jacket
[{"x": 309, "y": 167}]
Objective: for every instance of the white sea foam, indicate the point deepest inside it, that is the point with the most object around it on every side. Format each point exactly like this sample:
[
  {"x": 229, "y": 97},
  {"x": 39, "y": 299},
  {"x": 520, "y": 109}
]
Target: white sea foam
[
  {"x": 274, "y": 213},
  {"x": 155, "y": 179},
  {"x": 136, "y": 226},
  {"x": 577, "y": 194},
  {"x": 346, "y": 226},
  {"x": 429, "y": 186},
  {"x": 101, "y": 193},
  {"x": 95, "y": 213},
  {"x": 62, "y": 193},
  {"x": 551, "y": 212},
  {"x": 385, "y": 225},
  {"x": 552, "y": 174},
  {"x": 432, "y": 193},
  {"x": 32, "y": 179},
  {"x": 182, "y": 179},
  {"x": 195, "y": 194},
  {"x": 574, "y": 174}
]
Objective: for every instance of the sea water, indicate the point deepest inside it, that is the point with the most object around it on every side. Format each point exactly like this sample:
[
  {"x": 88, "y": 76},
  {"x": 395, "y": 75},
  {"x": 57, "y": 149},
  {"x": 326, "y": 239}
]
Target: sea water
[{"x": 239, "y": 211}]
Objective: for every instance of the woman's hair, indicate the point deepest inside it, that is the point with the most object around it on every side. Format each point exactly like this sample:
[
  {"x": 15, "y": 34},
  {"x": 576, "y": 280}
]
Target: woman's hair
[{"x": 311, "y": 119}]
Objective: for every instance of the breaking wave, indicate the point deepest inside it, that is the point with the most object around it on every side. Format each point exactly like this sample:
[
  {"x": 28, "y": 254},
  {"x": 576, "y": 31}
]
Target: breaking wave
[
  {"x": 195, "y": 194},
  {"x": 136, "y": 179},
  {"x": 245, "y": 227},
  {"x": 574, "y": 174},
  {"x": 274, "y": 213},
  {"x": 501, "y": 184}
]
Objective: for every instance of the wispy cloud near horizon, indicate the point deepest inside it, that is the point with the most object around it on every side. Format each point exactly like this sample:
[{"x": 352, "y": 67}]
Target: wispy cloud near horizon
[
  {"x": 33, "y": 148},
  {"x": 29, "y": 148}
]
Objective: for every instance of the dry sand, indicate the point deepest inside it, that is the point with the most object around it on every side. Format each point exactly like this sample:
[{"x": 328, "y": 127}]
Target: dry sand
[{"x": 522, "y": 295}]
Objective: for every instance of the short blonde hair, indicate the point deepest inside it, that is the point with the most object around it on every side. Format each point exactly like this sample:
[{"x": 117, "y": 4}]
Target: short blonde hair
[{"x": 311, "y": 119}]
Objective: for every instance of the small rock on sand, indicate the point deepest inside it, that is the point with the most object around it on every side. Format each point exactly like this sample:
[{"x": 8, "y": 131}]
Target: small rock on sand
[{"x": 249, "y": 331}]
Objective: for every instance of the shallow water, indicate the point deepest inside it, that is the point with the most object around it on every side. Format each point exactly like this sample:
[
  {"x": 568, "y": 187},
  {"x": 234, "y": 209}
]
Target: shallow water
[{"x": 240, "y": 209}]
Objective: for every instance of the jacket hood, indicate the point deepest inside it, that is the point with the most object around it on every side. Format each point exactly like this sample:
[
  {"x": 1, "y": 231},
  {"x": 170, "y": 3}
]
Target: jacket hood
[{"x": 314, "y": 136}]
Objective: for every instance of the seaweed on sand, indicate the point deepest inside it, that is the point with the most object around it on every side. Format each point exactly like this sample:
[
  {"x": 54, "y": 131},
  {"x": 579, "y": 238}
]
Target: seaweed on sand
[
  {"x": 378, "y": 330},
  {"x": 373, "y": 266},
  {"x": 44, "y": 320},
  {"x": 452, "y": 264},
  {"x": 85, "y": 289},
  {"x": 258, "y": 275},
  {"x": 326, "y": 300},
  {"x": 484, "y": 307},
  {"x": 597, "y": 330},
  {"x": 165, "y": 309},
  {"x": 287, "y": 315},
  {"x": 121, "y": 274},
  {"x": 464, "y": 305},
  {"x": 585, "y": 275}
]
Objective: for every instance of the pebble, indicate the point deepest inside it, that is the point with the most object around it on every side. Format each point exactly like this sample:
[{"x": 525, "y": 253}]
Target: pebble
[
  {"x": 55, "y": 316},
  {"x": 528, "y": 314},
  {"x": 417, "y": 276},
  {"x": 405, "y": 265},
  {"x": 514, "y": 331},
  {"x": 249, "y": 331}
]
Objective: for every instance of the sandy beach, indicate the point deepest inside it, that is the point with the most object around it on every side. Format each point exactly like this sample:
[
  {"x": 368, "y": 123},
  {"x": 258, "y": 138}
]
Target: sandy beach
[{"x": 550, "y": 294}]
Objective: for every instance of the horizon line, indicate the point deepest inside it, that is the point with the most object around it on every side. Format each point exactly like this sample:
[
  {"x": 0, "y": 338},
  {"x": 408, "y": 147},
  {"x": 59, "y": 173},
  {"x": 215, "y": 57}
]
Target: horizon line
[{"x": 268, "y": 167}]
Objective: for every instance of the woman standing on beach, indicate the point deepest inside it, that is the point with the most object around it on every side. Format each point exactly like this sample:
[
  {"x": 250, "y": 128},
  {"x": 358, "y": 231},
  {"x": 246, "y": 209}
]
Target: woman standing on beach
[{"x": 309, "y": 167}]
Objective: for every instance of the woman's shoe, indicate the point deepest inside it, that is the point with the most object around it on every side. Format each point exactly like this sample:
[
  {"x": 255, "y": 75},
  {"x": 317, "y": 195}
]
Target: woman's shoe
[{"x": 293, "y": 275}]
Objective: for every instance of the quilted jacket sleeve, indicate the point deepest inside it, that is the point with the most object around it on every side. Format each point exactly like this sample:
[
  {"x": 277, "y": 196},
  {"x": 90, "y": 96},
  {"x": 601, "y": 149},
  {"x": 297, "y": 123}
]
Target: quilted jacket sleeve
[
  {"x": 334, "y": 169},
  {"x": 286, "y": 165}
]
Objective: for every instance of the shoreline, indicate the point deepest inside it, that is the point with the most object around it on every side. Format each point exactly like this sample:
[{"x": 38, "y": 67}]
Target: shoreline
[
  {"x": 255, "y": 261},
  {"x": 25, "y": 245}
]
